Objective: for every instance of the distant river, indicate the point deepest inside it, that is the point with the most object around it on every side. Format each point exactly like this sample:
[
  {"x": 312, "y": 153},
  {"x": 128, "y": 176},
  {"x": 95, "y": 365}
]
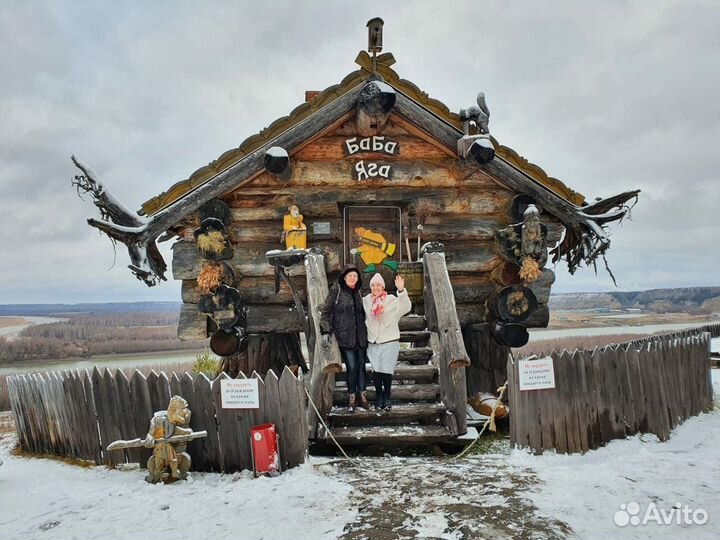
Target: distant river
[
  {"x": 128, "y": 361},
  {"x": 540, "y": 334},
  {"x": 12, "y": 331}
]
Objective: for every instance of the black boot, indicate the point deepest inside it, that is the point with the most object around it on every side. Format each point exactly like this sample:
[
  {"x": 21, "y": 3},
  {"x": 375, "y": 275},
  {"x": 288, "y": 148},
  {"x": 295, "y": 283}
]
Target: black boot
[
  {"x": 379, "y": 397},
  {"x": 387, "y": 383},
  {"x": 387, "y": 402}
]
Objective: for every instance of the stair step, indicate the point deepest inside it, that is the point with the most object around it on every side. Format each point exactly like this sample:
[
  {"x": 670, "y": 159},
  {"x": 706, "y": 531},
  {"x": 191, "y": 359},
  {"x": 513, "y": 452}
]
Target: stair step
[
  {"x": 400, "y": 414},
  {"x": 413, "y": 434},
  {"x": 414, "y": 336},
  {"x": 400, "y": 392},
  {"x": 416, "y": 355},
  {"x": 413, "y": 322},
  {"x": 420, "y": 372}
]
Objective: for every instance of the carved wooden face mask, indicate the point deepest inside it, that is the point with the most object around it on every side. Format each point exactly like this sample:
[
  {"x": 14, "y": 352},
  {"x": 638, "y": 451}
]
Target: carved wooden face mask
[{"x": 178, "y": 411}]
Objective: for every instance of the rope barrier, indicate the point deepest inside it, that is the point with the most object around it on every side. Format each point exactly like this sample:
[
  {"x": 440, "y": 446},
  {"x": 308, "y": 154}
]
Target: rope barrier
[
  {"x": 489, "y": 422},
  {"x": 328, "y": 431}
]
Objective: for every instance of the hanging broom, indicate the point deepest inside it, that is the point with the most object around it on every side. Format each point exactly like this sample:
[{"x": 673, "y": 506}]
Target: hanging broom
[
  {"x": 423, "y": 210},
  {"x": 405, "y": 218}
]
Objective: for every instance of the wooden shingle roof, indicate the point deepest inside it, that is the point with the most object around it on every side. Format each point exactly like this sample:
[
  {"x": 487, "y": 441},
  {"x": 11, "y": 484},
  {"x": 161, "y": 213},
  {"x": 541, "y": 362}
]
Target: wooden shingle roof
[{"x": 351, "y": 82}]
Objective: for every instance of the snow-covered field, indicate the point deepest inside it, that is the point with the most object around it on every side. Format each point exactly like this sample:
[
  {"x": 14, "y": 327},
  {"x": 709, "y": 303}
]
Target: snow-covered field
[
  {"x": 42, "y": 498},
  {"x": 587, "y": 491},
  {"x": 502, "y": 495}
]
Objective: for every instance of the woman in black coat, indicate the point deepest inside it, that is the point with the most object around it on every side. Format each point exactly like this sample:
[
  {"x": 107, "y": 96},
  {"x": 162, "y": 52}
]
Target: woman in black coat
[{"x": 343, "y": 316}]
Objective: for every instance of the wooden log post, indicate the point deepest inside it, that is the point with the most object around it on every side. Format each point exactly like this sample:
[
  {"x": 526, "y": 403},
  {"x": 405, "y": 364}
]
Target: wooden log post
[
  {"x": 326, "y": 355},
  {"x": 442, "y": 318},
  {"x": 488, "y": 369},
  {"x": 514, "y": 304},
  {"x": 192, "y": 324}
]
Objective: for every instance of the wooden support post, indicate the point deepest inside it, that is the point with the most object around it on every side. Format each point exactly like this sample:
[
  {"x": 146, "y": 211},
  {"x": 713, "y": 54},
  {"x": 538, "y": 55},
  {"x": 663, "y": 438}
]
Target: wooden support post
[
  {"x": 326, "y": 356},
  {"x": 442, "y": 319}
]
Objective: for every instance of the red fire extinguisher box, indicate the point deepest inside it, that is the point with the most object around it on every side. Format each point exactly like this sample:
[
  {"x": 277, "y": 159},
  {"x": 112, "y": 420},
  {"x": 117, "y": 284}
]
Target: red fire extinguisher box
[{"x": 264, "y": 445}]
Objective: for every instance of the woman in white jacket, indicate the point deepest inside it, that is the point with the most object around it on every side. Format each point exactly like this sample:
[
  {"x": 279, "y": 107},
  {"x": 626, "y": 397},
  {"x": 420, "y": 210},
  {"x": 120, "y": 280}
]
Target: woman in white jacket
[{"x": 382, "y": 315}]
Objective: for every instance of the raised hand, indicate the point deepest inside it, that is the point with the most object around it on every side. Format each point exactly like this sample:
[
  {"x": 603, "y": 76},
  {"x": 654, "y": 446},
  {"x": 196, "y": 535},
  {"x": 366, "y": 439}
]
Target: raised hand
[{"x": 399, "y": 283}]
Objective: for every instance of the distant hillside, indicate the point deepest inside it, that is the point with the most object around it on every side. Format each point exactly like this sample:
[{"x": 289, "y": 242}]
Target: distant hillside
[
  {"x": 692, "y": 299},
  {"x": 64, "y": 309}
]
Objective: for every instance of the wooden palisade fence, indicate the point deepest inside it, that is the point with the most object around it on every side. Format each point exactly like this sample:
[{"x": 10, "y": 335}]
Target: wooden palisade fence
[
  {"x": 77, "y": 414},
  {"x": 646, "y": 386}
]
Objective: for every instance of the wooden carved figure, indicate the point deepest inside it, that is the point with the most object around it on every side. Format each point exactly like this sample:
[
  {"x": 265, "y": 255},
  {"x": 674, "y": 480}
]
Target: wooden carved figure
[
  {"x": 168, "y": 454},
  {"x": 533, "y": 245},
  {"x": 525, "y": 245},
  {"x": 294, "y": 230}
]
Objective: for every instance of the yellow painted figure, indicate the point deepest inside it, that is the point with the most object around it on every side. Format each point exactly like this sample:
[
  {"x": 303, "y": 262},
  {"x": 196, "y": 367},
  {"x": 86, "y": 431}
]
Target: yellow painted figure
[
  {"x": 374, "y": 249},
  {"x": 294, "y": 230}
]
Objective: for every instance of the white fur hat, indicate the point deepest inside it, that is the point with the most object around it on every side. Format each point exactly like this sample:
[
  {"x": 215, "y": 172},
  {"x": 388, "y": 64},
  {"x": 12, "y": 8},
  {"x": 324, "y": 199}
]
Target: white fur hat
[{"x": 377, "y": 278}]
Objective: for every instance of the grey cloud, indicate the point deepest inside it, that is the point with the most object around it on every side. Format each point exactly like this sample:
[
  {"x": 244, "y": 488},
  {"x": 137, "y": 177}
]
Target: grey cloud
[{"x": 606, "y": 97}]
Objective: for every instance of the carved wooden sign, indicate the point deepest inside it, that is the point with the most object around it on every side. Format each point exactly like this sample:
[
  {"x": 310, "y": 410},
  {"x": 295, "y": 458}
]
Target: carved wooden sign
[
  {"x": 376, "y": 144},
  {"x": 364, "y": 170}
]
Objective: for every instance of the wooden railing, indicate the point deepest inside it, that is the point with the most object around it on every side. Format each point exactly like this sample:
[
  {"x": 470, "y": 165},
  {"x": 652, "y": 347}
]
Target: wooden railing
[
  {"x": 646, "y": 386},
  {"x": 325, "y": 356},
  {"x": 442, "y": 320},
  {"x": 77, "y": 414}
]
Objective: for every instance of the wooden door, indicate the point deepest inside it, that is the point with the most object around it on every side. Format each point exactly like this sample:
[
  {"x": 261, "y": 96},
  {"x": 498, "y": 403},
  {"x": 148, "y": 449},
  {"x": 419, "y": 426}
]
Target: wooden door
[{"x": 372, "y": 241}]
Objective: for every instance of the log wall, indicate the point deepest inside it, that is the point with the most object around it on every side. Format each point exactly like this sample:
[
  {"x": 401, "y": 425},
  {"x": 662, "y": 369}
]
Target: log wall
[{"x": 469, "y": 205}]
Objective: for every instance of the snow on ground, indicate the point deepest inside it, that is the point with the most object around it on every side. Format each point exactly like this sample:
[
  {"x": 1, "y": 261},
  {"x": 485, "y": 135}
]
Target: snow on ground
[
  {"x": 41, "y": 498},
  {"x": 500, "y": 496},
  {"x": 587, "y": 491}
]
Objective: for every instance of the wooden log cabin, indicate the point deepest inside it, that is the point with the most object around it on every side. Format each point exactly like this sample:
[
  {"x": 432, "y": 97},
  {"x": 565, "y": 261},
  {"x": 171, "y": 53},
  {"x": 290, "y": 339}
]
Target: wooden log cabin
[{"x": 365, "y": 163}]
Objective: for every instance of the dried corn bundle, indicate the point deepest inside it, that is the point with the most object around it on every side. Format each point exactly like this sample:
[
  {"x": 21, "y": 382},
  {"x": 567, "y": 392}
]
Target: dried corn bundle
[
  {"x": 211, "y": 242},
  {"x": 530, "y": 270},
  {"x": 210, "y": 277}
]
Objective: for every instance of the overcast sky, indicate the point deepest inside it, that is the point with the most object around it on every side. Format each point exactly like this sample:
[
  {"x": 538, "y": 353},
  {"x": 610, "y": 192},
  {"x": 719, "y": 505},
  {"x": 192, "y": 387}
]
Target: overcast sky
[{"x": 607, "y": 97}]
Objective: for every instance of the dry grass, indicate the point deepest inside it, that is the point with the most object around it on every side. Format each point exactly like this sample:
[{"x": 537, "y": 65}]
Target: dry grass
[
  {"x": 18, "y": 451},
  {"x": 423, "y": 210},
  {"x": 11, "y": 321},
  {"x": 212, "y": 242},
  {"x": 210, "y": 277},
  {"x": 7, "y": 423}
]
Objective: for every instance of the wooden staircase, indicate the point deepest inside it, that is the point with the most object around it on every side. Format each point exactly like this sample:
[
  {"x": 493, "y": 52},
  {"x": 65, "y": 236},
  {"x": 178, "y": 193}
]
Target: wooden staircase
[
  {"x": 428, "y": 394},
  {"x": 418, "y": 415}
]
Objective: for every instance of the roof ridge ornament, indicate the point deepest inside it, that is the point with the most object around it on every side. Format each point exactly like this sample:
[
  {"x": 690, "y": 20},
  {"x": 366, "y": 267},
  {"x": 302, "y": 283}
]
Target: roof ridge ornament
[
  {"x": 375, "y": 42},
  {"x": 476, "y": 139}
]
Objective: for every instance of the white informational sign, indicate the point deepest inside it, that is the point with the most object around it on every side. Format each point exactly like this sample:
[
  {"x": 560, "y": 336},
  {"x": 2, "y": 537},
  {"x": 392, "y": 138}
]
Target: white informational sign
[
  {"x": 537, "y": 374},
  {"x": 239, "y": 394}
]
